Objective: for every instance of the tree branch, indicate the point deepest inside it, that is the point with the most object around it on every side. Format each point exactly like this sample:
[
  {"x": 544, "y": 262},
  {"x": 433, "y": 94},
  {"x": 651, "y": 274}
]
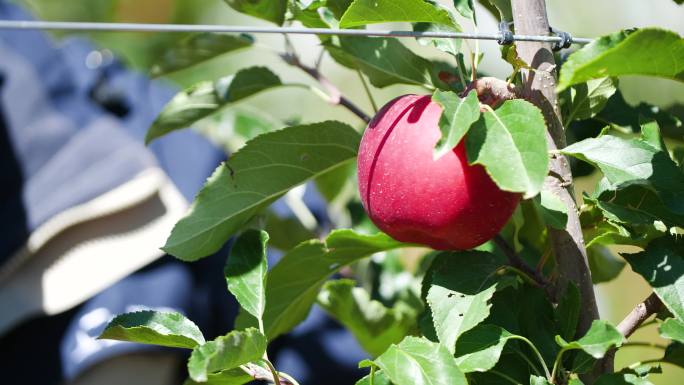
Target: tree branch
[
  {"x": 519, "y": 263},
  {"x": 334, "y": 93},
  {"x": 651, "y": 305},
  {"x": 539, "y": 87}
]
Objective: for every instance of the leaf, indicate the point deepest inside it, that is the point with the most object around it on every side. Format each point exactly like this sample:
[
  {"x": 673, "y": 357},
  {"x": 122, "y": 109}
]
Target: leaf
[
  {"x": 648, "y": 51},
  {"x": 206, "y": 98},
  {"x": 600, "y": 338},
  {"x": 293, "y": 284},
  {"x": 621, "y": 379},
  {"x": 672, "y": 329},
  {"x": 618, "y": 112},
  {"x": 270, "y": 10},
  {"x": 503, "y": 7},
  {"x": 553, "y": 210},
  {"x": 465, "y": 8},
  {"x": 625, "y": 162},
  {"x": 479, "y": 349},
  {"x": 155, "y": 328},
  {"x": 363, "y": 12},
  {"x": 331, "y": 183},
  {"x": 451, "y": 46},
  {"x": 510, "y": 54},
  {"x": 380, "y": 378},
  {"x": 286, "y": 233},
  {"x": 674, "y": 354},
  {"x": 226, "y": 377},
  {"x": 454, "y": 313},
  {"x": 458, "y": 114},
  {"x": 384, "y": 60},
  {"x": 246, "y": 270},
  {"x": 226, "y": 352},
  {"x": 662, "y": 265},
  {"x": 510, "y": 143},
  {"x": 587, "y": 99},
  {"x": 538, "y": 380},
  {"x": 603, "y": 264},
  {"x": 566, "y": 314},
  {"x": 254, "y": 177},
  {"x": 199, "y": 48},
  {"x": 418, "y": 361},
  {"x": 375, "y": 326}
]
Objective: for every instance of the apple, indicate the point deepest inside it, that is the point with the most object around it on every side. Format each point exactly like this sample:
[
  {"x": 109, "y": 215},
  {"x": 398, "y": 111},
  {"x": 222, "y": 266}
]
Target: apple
[{"x": 446, "y": 204}]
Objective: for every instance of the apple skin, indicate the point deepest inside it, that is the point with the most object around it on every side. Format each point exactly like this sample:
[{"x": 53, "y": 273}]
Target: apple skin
[{"x": 445, "y": 204}]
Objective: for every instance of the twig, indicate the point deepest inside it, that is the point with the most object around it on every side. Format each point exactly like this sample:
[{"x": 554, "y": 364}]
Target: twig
[
  {"x": 262, "y": 374},
  {"x": 519, "y": 263},
  {"x": 335, "y": 95},
  {"x": 651, "y": 305}
]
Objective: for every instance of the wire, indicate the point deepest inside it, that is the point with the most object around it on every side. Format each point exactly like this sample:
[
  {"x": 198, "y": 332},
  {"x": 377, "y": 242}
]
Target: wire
[{"x": 133, "y": 27}]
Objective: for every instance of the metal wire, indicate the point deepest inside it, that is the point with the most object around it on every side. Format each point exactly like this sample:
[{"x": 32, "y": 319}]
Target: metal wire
[{"x": 133, "y": 27}]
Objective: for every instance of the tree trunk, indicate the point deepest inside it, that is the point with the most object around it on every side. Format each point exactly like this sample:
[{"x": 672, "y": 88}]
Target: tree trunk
[{"x": 539, "y": 87}]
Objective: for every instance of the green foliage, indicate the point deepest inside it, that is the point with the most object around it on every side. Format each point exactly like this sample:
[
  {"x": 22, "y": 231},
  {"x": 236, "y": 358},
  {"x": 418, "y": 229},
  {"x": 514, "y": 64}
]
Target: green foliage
[
  {"x": 199, "y": 48},
  {"x": 363, "y": 12},
  {"x": 672, "y": 329},
  {"x": 451, "y": 46},
  {"x": 510, "y": 142},
  {"x": 600, "y": 337},
  {"x": 226, "y": 377},
  {"x": 586, "y": 100},
  {"x": 226, "y": 352},
  {"x": 566, "y": 314},
  {"x": 603, "y": 264},
  {"x": 246, "y": 271},
  {"x": 479, "y": 349},
  {"x": 662, "y": 265},
  {"x": 206, "y": 98},
  {"x": 647, "y": 51},
  {"x": 251, "y": 180},
  {"x": 458, "y": 114},
  {"x": 420, "y": 361},
  {"x": 155, "y": 328},
  {"x": 375, "y": 326},
  {"x": 270, "y": 10},
  {"x": 293, "y": 284}
]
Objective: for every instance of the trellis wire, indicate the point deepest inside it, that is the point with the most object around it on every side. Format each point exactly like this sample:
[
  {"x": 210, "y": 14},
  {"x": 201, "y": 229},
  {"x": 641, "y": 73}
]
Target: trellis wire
[{"x": 134, "y": 27}]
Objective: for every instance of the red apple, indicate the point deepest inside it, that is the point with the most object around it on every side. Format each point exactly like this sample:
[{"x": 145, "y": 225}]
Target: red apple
[{"x": 446, "y": 204}]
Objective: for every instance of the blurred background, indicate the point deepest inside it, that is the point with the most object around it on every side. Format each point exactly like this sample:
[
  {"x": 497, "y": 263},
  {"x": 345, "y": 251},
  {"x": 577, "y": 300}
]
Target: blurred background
[{"x": 583, "y": 18}]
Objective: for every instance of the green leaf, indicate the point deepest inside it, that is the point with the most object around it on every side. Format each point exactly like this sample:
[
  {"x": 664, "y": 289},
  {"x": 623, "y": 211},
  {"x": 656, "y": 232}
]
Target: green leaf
[
  {"x": 553, "y": 210},
  {"x": 622, "y": 379},
  {"x": 419, "y": 361},
  {"x": 648, "y": 51},
  {"x": 286, "y": 233},
  {"x": 331, "y": 184},
  {"x": 503, "y": 7},
  {"x": 206, "y": 98},
  {"x": 226, "y": 377},
  {"x": 566, "y": 314},
  {"x": 674, "y": 354},
  {"x": 375, "y": 326},
  {"x": 633, "y": 161},
  {"x": 600, "y": 338},
  {"x": 662, "y": 265},
  {"x": 465, "y": 8},
  {"x": 454, "y": 313},
  {"x": 587, "y": 99},
  {"x": 618, "y": 112},
  {"x": 154, "y": 328},
  {"x": 226, "y": 352},
  {"x": 451, "y": 46},
  {"x": 510, "y": 143},
  {"x": 458, "y": 114},
  {"x": 293, "y": 284},
  {"x": 199, "y": 48},
  {"x": 270, "y": 10},
  {"x": 363, "y": 12},
  {"x": 672, "y": 329},
  {"x": 384, "y": 60},
  {"x": 379, "y": 378},
  {"x": 479, "y": 349},
  {"x": 537, "y": 380},
  {"x": 254, "y": 177},
  {"x": 246, "y": 270},
  {"x": 603, "y": 264}
]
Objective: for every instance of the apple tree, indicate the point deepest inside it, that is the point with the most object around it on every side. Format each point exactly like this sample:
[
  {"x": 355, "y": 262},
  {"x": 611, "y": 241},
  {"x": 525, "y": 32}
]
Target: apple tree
[{"x": 474, "y": 177}]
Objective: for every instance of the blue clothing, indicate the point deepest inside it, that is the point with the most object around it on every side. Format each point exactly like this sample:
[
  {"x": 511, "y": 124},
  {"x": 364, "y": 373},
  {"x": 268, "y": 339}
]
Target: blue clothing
[{"x": 70, "y": 132}]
